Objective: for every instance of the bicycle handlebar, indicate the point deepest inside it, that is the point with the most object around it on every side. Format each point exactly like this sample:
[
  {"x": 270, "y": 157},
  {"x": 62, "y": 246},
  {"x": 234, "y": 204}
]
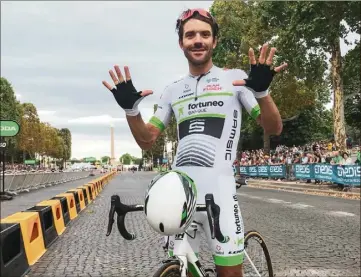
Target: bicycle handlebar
[{"x": 121, "y": 209}]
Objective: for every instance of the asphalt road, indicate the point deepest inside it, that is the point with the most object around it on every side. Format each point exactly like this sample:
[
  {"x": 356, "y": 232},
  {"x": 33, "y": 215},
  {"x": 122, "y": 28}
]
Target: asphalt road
[{"x": 307, "y": 235}]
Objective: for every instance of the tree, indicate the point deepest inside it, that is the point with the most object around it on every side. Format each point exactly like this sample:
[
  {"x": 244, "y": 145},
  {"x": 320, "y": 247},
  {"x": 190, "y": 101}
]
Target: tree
[
  {"x": 171, "y": 133},
  {"x": 157, "y": 150},
  {"x": 28, "y": 137},
  {"x": 34, "y": 136},
  {"x": 52, "y": 143},
  {"x": 136, "y": 160},
  {"x": 9, "y": 110},
  {"x": 126, "y": 158},
  {"x": 313, "y": 124},
  {"x": 105, "y": 159},
  {"x": 45, "y": 132},
  {"x": 317, "y": 27},
  {"x": 352, "y": 90},
  {"x": 129, "y": 159},
  {"x": 66, "y": 136},
  {"x": 242, "y": 29},
  {"x": 58, "y": 150}
]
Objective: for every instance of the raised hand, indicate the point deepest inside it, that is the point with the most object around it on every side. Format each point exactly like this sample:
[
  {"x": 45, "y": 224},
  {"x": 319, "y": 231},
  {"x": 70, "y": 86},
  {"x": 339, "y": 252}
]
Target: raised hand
[
  {"x": 124, "y": 91},
  {"x": 261, "y": 74}
]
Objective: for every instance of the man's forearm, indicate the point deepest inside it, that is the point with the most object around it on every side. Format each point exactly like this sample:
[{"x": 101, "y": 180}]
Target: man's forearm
[
  {"x": 140, "y": 132},
  {"x": 270, "y": 117}
]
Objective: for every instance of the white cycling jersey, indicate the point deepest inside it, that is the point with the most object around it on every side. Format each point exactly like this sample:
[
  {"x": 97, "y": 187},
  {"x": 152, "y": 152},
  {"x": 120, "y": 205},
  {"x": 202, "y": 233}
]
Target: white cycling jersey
[{"x": 208, "y": 111}]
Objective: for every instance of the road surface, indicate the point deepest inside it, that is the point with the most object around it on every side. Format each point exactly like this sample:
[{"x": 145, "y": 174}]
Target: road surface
[{"x": 307, "y": 235}]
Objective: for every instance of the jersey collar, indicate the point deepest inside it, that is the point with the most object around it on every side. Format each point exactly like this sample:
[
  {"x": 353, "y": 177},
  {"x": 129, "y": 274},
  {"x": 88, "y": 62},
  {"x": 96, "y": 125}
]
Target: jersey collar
[{"x": 197, "y": 76}]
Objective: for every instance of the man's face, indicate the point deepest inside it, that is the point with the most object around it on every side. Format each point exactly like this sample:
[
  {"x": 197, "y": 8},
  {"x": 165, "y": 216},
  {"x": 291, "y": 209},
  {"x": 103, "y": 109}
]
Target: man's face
[{"x": 197, "y": 42}]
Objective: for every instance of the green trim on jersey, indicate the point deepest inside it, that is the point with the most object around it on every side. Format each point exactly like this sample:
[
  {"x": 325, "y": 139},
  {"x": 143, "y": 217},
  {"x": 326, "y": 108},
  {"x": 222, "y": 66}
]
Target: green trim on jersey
[
  {"x": 255, "y": 112},
  {"x": 203, "y": 95},
  {"x": 228, "y": 261},
  {"x": 190, "y": 180},
  {"x": 202, "y": 115},
  {"x": 156, "y": 122}
]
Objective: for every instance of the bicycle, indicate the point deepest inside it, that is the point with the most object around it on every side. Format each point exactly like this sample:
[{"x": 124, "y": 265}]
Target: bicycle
[{"x": 177, "y": 265}]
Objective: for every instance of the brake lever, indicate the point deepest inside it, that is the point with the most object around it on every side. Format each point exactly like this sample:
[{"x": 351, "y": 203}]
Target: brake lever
[
  {"x": 111, "y": 218},
  {"x": 209, "y": 200}
]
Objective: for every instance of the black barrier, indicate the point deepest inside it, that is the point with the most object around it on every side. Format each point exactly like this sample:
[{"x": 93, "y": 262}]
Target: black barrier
[
  {"x": 90, "y": 191},
  {"x": 12, "y": 253},
  {"x": 85, "y": 196},
  {"x": 64, "y": 208},
  {"x": 47, "y": 223},
  {"x": 77, "y": 202}
]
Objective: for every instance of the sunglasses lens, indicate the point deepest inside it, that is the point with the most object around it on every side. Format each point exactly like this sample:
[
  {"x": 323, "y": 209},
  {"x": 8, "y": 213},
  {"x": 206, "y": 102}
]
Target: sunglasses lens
[{"x": 189, "y": 13}]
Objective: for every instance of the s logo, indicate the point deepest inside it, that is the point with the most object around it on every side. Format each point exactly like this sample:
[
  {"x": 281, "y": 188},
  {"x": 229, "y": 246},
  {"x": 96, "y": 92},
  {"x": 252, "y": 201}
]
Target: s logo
[{"x": 196, "y": 127}]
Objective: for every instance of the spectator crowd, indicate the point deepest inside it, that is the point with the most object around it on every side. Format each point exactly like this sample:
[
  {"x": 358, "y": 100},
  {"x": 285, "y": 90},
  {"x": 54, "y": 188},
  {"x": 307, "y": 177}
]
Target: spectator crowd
[{"x": 317, "y": 152}]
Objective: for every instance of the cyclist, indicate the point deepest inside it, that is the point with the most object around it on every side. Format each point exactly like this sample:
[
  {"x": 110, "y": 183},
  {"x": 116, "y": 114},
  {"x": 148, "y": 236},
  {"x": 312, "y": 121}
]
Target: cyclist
[{"x": 207, "y": 105}]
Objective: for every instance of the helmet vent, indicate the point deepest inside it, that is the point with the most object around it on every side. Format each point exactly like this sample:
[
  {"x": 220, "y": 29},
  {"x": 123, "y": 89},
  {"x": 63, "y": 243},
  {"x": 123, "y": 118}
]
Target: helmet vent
[{"x": 161, "y": 227}]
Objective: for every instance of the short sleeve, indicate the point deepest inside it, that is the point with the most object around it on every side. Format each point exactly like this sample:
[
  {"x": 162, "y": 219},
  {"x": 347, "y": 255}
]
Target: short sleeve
[
  {"x": 245, "y": 96},
  {"x": 163, "y": 113}
]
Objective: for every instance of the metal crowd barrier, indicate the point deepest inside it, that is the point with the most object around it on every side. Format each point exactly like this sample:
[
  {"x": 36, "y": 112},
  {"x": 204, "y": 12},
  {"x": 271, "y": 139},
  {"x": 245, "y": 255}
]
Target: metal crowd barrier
[
  {"x": 21, "y": 182},
  {"x": 348, "y": 175}
]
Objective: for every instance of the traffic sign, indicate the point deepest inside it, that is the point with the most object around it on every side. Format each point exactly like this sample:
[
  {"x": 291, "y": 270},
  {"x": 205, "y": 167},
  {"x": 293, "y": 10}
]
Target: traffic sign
[{"x": 9, "y": 128}]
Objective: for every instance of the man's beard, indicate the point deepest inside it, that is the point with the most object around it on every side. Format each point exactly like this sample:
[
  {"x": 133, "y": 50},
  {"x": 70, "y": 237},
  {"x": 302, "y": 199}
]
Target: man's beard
[{"x": 198, "y": 62}]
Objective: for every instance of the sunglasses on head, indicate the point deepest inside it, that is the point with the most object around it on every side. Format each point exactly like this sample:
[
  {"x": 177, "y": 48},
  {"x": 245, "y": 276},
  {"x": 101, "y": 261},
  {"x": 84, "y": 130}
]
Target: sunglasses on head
[{"x": 189, "y": 13}]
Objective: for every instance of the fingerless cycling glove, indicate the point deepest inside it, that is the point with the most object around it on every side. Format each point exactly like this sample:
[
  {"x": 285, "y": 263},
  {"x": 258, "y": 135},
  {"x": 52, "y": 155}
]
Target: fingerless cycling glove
[{"x": 127, "y": 97}]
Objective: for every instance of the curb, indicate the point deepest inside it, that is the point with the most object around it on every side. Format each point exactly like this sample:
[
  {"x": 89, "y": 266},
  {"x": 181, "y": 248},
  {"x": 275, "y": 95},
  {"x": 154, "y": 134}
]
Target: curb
[
  {"x": 300, "y": 186},
  {"x": 35, "y": 229},
  {"x": 302, "y": 190}
]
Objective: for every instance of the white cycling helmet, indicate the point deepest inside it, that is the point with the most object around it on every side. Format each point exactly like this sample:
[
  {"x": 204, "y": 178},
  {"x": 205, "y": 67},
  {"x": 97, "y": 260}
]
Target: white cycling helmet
[{"x": 170, "y": 202}]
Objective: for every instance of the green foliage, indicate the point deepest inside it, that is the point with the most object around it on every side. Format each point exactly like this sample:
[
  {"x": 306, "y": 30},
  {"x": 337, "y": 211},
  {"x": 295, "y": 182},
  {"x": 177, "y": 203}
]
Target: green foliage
[
  {"x": 105, "y": 159},
  {"x": 171, "y": 130},
  {"x": 66, "y": 136},
  {"x": 352, "y": 87},
  {"x": 10, "y": 110},
  {"x": 307, "y": 31},
  {"x": 156, "y": 152},
  {"x": 30, "y": 130},
  {"x": 313, "y": 124},
  {"x": 129, "y": 159},
  {"x": 34, "y": 136},
  {"x": 244, "y": 25}
]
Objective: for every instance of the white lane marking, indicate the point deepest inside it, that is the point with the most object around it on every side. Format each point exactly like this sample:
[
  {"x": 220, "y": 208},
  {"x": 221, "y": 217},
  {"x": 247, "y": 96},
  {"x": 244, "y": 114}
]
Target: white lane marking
[
  {"x": 300, "y": 206},
  {"x": 340, "y": 213},
  {"x": 278, "y": 201},
  {"x": 272, "y": 200},
  {"x": 312, "y": 272},
  {"x": 295, "y": 206}
]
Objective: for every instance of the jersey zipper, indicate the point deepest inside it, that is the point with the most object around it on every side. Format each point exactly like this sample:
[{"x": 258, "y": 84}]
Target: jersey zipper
[{"x": 196, "y": 95}]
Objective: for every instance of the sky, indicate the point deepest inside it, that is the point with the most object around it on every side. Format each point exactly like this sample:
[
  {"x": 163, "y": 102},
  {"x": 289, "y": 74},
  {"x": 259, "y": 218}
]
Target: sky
[{"x": 56, "y": 55}]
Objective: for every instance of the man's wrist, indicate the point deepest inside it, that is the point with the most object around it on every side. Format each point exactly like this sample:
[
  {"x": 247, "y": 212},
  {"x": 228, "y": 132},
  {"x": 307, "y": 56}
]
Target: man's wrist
[
  {"x": 262, "y": 94},
  {"x": 132, "y": 112}
]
